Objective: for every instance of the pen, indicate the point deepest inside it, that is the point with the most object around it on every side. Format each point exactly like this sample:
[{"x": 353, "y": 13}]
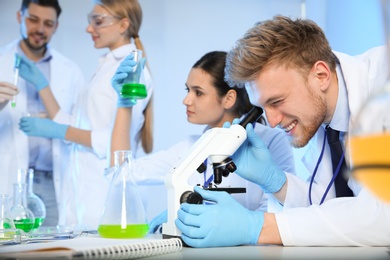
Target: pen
[{"x": 16, "y": 76}]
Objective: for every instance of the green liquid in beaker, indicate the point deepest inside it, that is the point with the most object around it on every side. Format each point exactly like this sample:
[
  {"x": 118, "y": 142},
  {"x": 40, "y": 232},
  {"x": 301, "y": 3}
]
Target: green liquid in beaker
[
  {"x": 134, "y": 90},
  {"x": 25, "y": 224},
  {"x": 5, "y": 226},
  {"x": 38, "y": 222},
  {"x": 116, "y": 231}
]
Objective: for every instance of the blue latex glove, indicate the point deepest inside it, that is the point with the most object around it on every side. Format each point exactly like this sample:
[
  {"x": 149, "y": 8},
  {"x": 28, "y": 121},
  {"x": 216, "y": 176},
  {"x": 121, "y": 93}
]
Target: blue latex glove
[
  {"x": 30, "y": 72},
  {"x": 157, "y": 221},
  {"x": 42, "y": 127},
  {"x": 226, "y": 223},
  {"x": 120, "y": 76},
  {"x": 254, "y": 162}
]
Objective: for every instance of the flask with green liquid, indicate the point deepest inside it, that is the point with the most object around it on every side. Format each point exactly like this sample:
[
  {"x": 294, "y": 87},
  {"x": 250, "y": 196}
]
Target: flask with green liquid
[
  {"x": 123, "y": 214},
  {"x": 34, "y": 203},
  {"x": 134, "y": 86},
  {"x": 23, "y": 217}
]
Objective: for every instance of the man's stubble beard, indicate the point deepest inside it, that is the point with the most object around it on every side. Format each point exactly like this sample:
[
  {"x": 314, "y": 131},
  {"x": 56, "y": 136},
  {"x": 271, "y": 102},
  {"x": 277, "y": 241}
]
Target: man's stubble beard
[{"x": 34, "y": 48}]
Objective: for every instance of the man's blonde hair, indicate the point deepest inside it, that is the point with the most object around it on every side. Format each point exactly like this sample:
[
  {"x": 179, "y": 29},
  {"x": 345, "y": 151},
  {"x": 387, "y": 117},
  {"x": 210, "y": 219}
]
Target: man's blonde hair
[{"x": 280, "y": 41}]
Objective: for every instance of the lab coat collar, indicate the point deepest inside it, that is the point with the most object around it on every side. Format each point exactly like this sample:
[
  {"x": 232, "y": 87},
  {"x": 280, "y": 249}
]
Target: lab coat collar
[
  {"x": 120, "y": 53},
  {"x": 341, "y": 114},
  {"x": 355, "y": 73}
]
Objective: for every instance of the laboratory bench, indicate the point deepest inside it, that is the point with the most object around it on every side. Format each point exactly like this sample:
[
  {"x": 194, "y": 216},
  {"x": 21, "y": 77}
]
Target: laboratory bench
[{"x": 279, "y": 252}]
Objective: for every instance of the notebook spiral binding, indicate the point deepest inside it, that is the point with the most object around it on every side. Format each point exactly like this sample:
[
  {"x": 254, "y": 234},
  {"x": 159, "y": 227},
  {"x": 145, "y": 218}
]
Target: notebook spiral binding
[{"x": 147, "y": 248}]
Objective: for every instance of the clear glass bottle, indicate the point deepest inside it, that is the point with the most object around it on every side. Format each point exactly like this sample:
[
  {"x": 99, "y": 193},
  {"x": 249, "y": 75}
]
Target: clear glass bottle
[
  {"x": 23, "y": 217},
  {"x": 6, "y": 221},
  {"x": 123, "y": 214},
  {"x": 34, "y": 203}
]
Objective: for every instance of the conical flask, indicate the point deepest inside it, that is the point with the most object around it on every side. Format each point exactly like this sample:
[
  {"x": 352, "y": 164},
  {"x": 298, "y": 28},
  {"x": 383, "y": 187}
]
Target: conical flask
[
  {"x": 6, "y": 222},
  {"x": 23, "y": 217},
  {"x": 123, "y": 214},
  {"x": 34, "y": 203}
]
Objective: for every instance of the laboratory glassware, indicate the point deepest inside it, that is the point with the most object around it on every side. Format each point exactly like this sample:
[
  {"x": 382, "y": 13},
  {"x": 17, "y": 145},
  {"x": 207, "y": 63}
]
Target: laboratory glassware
[
  {"x": 134, "y": 86},
  {"x": 23, "y": 217},
  {"x": 16, "y": 77},
  {"x": 6, "y": 221},
  {"x": 123, "y": 214},
  {"x": 16, "y": 236},
  {"x": 369, "y": 143},
  {"x": 369, "y": 139},
  {"x": 35, "y": 203}
]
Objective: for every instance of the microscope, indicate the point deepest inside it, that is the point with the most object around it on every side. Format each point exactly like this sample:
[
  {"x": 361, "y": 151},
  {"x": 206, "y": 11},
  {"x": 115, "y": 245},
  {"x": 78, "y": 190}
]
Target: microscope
[{"x": 217, "y": 145}]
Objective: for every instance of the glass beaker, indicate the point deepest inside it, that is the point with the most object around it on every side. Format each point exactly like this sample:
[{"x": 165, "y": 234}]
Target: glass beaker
[
  {"x": 134, "y": 86},
  {"x": 123, "y": 214},
  {"x": 6, "y": 221},
  {"x": 23, "y": 217},
  {"x": 369, "y": 143},
  {"x": 34, "y": 203},
  {"x": 369, "y": 139}
]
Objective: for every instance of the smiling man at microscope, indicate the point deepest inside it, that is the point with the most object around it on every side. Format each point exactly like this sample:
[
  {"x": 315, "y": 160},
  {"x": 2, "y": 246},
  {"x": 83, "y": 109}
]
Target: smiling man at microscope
[{"x": 306, "y": 89}]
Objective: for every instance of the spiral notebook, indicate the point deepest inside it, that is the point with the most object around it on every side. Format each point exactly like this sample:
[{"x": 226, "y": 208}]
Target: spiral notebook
[{"x": 93, "y": 248}]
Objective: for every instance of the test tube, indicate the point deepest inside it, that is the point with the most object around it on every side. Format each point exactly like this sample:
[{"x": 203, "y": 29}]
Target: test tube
[{"x": 16, "y": 77}]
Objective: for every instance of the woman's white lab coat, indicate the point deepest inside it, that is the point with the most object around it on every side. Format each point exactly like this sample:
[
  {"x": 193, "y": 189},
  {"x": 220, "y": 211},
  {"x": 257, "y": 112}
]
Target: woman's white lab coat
[
  {"x": 65, "y": 81},
  {"x": 95, "y": 111},
  {"x": 152, "y": 169},
  {"x": 356, "y": 221}
]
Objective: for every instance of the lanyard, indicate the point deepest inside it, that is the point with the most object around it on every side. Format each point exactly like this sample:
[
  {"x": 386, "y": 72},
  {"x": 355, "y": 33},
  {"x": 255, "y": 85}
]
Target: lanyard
[{"x": 315, "y": 172}]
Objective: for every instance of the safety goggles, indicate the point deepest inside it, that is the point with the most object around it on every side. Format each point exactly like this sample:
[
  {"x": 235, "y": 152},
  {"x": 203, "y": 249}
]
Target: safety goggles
[
  {"x": 98, "y": 21},
  {"x": 36, "y": 20}
]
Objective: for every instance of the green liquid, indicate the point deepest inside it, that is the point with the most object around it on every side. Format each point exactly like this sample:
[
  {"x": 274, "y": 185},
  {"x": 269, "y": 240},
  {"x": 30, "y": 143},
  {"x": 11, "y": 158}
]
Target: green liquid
[
  {"x": 134, "y": 90},
  {"x": 116, "y": 231},
  {"x": 6, "y": 226},
  {"x": 25, "y": 224},
  {"x": 38, "y": 222}
]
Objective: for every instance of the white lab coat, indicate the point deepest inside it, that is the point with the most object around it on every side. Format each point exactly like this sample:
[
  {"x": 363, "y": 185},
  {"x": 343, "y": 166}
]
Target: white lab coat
[
  {"x": 152, "y": 169},
  {"x": 65, "y": 80},
  {"x": 95, "y": 111},
  {"x": 356, "y": 221}
]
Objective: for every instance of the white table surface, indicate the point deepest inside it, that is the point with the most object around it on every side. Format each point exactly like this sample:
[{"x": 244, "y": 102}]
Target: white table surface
[{"x": 280, "y": 252}]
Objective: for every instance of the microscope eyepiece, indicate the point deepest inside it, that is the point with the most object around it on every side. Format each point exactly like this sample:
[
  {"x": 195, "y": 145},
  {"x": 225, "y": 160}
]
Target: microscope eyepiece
[{"x": 252, "y": 116}]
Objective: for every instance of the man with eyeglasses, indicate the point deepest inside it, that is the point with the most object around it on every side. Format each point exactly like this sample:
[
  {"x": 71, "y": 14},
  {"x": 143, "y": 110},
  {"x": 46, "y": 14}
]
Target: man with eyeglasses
[{"x": 42, "y": 71}]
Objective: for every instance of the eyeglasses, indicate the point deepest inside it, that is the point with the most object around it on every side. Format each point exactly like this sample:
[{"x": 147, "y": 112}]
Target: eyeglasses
[{"x": 98, "y": 21}]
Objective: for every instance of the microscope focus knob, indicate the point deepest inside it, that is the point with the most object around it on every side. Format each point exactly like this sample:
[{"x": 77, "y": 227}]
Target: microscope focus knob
[
  {"x": 191, "y": 197},
  {"x": 231, "y": 167}
]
